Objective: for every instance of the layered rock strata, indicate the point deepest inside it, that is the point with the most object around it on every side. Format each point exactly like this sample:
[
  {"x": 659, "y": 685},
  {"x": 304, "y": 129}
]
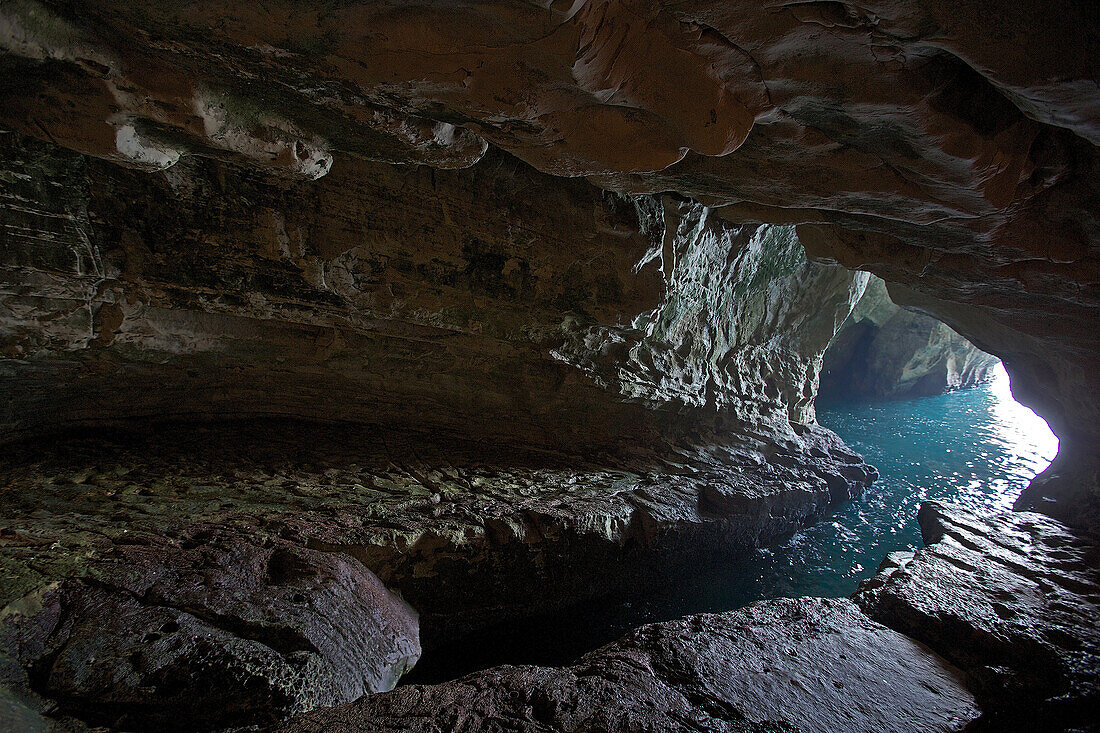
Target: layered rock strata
[
  {"x": 947, "y": 148},
  {"x": 886, "y": 352},
  {"x": 811, "y": 664},
  {"x": 552, "y": 417},
  {"x": 558, "y": 317},
  {"x": 1012, "y": 600}
]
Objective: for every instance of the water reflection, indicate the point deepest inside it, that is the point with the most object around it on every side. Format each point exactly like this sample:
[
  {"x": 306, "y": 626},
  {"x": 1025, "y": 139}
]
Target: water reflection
[{"x": 978, "y": 448}]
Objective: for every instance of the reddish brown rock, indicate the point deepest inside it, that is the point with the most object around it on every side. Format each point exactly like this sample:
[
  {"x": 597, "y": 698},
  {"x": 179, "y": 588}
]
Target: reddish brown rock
[
  {"x": 809, "y": 664},
  {"x": 946, "y": 147}
]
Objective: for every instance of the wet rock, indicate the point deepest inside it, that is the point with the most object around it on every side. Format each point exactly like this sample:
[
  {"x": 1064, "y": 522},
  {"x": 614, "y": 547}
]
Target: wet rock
[
  {"x": 208, "y": 633},
  {"x": 809, "y": 665},
  {"x": 886, "y": 352},
  {"x": 631, "y": 378},
  {"x": 1012, "y": 599},
  {"x": 468, "y": 539}
]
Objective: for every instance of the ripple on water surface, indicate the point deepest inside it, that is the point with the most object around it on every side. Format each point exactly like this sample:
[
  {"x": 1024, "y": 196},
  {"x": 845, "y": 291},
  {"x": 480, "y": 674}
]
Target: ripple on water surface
[{"x": 977, "y": 447}]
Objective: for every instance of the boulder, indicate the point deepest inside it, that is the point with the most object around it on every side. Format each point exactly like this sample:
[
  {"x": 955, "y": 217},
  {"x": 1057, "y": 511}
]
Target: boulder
[
  {"x": 1011, "y": 599},
  {"x": 208, "y": 634}
]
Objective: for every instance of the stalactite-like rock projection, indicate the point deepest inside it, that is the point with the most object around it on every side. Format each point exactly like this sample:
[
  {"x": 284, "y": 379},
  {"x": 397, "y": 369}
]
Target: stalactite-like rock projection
[{"x": 507, "y": 290}]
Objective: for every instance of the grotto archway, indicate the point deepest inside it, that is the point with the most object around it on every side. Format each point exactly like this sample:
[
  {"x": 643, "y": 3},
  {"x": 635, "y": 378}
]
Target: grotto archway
[{"x": 520, "y": 225}]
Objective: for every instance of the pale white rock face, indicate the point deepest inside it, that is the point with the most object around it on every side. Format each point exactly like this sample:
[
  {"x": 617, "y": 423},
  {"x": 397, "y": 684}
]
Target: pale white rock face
[
  {"x": 141, "y": 152},
  {"x": 740, "y": 329},
  {"x": 883, "y": 351},
  {"x": 260, "y": 136}
]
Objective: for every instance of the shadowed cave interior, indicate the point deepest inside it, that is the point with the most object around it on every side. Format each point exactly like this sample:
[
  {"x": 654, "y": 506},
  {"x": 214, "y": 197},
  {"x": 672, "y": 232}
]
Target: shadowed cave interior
[{"x": 619, "y": 365}]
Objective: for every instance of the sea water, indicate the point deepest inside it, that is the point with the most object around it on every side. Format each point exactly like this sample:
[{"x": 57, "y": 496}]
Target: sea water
[{"x": 977, "y": 448}]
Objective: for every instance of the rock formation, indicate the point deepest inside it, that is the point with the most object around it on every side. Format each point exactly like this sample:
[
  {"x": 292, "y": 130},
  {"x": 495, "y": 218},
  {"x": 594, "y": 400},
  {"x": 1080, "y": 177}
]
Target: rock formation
[
  {"x": 539, "y": 432},
  {"x": 941, "y": 146},
  {"x": 1012, "y": 600},
  {"x": 812, "y": 664},
  {"x": 392, "y": 292},
  {"x": 204, "y": 633},
  {"x": 886, "y": 352},
  {"x": 396, "y": 296}
]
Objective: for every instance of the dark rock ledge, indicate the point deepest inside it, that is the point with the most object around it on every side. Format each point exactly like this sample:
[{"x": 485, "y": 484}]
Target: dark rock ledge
[
  {"x": 807, "y": 664},
  {"x": 228, "y": 582},
  {"x": 198, "y": 578},
  {"x": 1014, "y": 601},
  {"x": 1011, "y": 599}
]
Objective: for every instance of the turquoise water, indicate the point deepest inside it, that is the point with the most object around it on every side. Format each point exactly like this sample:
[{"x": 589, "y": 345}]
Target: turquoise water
[{"x": 977, "y": 447}]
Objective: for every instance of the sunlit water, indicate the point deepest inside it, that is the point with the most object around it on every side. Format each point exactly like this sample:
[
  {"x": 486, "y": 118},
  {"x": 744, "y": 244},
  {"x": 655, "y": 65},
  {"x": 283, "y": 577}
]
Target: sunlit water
[{"x": 977, "y": 448}]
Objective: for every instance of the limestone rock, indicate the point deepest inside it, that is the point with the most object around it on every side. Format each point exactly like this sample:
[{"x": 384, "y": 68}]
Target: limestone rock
[
  {"x": 1012, "y": 599},
  {"x": 395, "y": 296},
  {"x": 132, "y": 559},
  {"x": 946, "y": 148},
  {"x": 809, "y": 665},
  {"x": 886, "y": 352},
  {"x": 206, "y": 634}
]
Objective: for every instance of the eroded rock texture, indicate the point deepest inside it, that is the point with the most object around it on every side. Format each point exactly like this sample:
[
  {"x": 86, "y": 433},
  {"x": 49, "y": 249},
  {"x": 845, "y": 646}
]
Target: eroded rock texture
[
  {"x": 886, "y": 352},
  {"x": 200, "y": 632},
  {"x": 569, "y": 391},
  {"x": 467, "y": 541},
  {"x": 655, "y": 328},
  {"x": 947, "y": 147},
  {"x": 495, "y": 301},
  {"x": 1012, "y": 600},
  {"x": 808, "y": 665}
]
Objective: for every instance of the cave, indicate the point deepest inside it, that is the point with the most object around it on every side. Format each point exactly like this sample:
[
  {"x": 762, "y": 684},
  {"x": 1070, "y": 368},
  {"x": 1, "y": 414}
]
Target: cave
[{"x": 434, "y": 366}]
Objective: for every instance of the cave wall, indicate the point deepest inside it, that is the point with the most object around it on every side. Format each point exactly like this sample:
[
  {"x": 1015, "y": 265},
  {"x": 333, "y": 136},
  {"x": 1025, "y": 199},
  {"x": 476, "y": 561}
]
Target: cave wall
[
  {"x": 559, "y": 316},
  {"x": 949, "y": 148},
  {"x": 883, "y": 351}
]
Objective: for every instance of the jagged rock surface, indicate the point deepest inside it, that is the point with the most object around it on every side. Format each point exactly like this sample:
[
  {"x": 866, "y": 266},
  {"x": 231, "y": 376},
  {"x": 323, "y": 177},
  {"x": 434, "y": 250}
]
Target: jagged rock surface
[
  {"x": 1012, "y": 599},
  {"x": 943, "y": 146},
  {"x": 886, "y": 352},
  {"x": 396, "y": 297},
  {"x": 809, "y": 665}
]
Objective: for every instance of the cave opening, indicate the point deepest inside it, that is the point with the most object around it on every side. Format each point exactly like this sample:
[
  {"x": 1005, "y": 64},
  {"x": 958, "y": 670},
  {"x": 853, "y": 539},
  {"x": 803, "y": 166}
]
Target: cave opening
[
  {"x": 350, "y": 342},
  {"x": 942, "y": 426}
]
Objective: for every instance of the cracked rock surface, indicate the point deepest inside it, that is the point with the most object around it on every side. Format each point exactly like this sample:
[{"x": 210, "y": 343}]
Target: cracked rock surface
[{"x": 949, "y": 149}]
